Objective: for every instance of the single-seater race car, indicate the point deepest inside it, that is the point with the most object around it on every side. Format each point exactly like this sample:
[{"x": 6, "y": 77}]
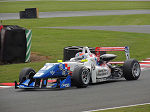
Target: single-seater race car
[{"x": 81, "y": 70}]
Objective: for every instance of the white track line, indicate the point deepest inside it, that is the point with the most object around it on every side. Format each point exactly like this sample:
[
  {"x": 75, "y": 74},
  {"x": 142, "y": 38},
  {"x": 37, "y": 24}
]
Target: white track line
[
  {"x": 144, "y": 64},
  {"x": 145, "y": 61},
  {"x": 5, "y": 87},
  {"x": 117, "y": 107},
  {"x": 148, "y": 58},
  {"x": 142, "y": 69}
]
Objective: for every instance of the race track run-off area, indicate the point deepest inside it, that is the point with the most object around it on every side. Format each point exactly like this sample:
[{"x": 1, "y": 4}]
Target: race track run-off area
[
  {"x": 7, "y": 16},
  {"x": 125, "y": 28},
  {"x": 102, "y": 95},
  {"x": 145, "y": 65},
  {"x": 96, "y": 96}
]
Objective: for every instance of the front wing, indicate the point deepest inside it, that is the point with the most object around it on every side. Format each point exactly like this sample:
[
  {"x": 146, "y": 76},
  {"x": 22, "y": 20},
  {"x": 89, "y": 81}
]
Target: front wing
[{"x": 59, "y": 83}]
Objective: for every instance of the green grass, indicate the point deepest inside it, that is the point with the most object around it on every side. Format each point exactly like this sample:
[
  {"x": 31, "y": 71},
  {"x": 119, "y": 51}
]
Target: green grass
[
  {"x": 46, "y": 6},
  {"x": 139, "y": 19},
  {"x": 50, "y": 42},
  {"x": 141, "y": 108},
  {"x": 10, "y": 73}
]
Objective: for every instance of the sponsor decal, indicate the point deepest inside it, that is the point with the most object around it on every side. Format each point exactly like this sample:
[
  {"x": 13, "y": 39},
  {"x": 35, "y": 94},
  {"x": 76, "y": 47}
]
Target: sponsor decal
[
  {"x": 66, "y": 85},
  {"x": 67, "y": 69},
  {"x": 101, "y": 79},
  {"x": 63, "y": 72},
  {"x": 102, "y": 72},
  {"x": 61, "y": 66},
  {"x": 52, "y": 72}
]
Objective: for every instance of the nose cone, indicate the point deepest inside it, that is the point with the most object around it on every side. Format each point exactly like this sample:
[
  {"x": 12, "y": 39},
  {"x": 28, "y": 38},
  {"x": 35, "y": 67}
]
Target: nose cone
[{"x": 48, "y": 71}]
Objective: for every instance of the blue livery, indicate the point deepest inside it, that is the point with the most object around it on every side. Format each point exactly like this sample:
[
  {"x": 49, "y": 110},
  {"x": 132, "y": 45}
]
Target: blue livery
[{"x": 55, "y": 71}]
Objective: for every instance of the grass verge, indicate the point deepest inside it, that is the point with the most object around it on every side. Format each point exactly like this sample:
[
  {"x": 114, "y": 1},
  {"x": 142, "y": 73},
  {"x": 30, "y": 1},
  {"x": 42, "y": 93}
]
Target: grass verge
[
  {"x": 50, "y": 42},
  {"x": 141, "y": 108},
  {"x": 114, "y": 20},
  {"x": 46, "y": 6}
]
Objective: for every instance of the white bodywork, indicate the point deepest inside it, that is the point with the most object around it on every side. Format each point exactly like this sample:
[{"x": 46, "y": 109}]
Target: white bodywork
[{"x": 98, "y": 73}]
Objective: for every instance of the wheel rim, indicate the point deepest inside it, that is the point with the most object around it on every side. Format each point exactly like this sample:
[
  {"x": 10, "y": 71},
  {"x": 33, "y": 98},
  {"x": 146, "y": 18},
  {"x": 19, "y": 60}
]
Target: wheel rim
[
  {"x": 85, "y": 76},
  {"x": 29, "y": 76},
  {"x": 136, "y": 69}
]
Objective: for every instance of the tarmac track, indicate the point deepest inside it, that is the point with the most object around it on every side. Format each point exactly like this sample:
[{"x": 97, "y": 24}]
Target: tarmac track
[
  {"x": 6, "y": 16},
  {"x": 69, "y": 0},
  {"x": 103, "y": 95},
  {"x": 125, "y": 28}
]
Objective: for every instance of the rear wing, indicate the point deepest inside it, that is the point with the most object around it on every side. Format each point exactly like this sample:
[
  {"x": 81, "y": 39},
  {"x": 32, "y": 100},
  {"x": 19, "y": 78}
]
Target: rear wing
[{"x": 126, "y": 49}]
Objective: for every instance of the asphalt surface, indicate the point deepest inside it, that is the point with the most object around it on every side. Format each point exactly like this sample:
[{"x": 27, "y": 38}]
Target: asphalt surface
[
  {"x": 102, "y": 0},
  {"x": 69, "y": 0},
  {"x": 125, "y": 28},
  {"x": 16, "y": 0},
  {"x": 6, "y": 16},
  {"x": 103, "y": 95}
]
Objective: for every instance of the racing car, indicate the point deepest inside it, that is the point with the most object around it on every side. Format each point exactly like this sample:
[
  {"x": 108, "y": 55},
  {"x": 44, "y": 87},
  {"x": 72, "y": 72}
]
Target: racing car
[{"x": 81, "y": 70}]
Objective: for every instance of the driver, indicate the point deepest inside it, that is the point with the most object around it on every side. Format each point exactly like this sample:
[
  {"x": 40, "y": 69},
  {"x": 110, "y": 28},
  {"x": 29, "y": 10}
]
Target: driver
[{"x": 79, "y": 56}]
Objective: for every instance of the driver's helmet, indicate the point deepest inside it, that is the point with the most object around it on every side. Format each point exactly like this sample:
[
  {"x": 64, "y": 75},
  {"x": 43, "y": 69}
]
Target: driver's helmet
[{"x": 81, "y": 55}]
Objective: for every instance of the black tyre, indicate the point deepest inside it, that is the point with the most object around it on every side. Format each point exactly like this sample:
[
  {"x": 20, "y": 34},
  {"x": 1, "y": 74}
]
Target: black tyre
[
  {"x": 26, "y": 73},
  {"x": 70, "y": 52},
  {"x": 81, "y": 77},
  {"x": 131, "y": 69}
]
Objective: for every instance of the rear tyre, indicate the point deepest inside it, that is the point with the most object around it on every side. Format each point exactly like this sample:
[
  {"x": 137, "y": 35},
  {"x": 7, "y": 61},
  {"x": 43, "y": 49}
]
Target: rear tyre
[
  {"x": 26, "y": 73},
  {"x": 81, "y": 77},
  {"x": 131, "y": 69}
]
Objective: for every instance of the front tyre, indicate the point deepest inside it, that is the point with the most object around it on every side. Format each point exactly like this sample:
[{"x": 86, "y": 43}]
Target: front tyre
[
  {"x": 131, "y": 69},
  {"x": 81, "y": 77},
  {"x": 26, "y": 73}
]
